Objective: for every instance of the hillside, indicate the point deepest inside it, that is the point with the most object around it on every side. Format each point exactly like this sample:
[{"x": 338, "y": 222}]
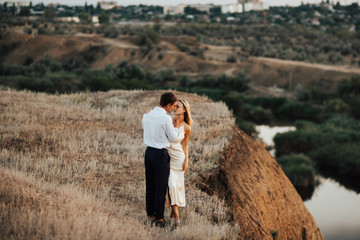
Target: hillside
[
  {"x": 98, "y": 52},
  {"x": 72, "y": 165}
]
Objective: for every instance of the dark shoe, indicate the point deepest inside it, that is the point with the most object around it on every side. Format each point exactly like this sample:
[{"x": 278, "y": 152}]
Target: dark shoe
[
  {"x": 161, "y": 224},
  {"x": 176, "y": 224},
  {"x": 150, "y": 221}
]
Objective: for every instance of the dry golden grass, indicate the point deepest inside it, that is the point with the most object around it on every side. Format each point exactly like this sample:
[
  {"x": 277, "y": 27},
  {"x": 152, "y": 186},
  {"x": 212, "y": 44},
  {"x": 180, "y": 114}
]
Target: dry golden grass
[
  {"x": 32, "y": 209},
  {"x": 72, "y": 167}
]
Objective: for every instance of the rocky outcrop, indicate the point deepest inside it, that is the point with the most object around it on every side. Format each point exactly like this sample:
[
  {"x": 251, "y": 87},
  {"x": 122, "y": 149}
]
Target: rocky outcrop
[{"x": 262, "y": 199}]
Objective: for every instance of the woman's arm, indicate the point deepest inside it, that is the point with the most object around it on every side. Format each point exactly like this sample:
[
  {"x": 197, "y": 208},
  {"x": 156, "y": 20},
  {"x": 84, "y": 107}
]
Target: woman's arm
[{"x": 185, "y": 147}]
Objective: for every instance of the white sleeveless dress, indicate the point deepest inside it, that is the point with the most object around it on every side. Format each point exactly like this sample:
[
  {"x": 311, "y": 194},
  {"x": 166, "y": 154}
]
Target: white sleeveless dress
[{"x": 176, "y": 184}]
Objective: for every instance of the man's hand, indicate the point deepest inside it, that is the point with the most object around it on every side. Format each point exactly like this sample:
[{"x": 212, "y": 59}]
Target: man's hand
[{"x": 176, "y": 123}]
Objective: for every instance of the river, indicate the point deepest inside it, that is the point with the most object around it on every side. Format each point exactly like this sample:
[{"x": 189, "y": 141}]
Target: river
[{"x": 335, "y": 209}]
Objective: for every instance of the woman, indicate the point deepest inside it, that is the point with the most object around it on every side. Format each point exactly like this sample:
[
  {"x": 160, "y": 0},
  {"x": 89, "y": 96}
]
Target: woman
[{"x": 179, "y": 158}]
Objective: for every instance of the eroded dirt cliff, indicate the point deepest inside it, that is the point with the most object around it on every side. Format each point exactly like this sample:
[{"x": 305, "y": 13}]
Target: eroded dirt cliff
[{"x": 262, "y": 199}]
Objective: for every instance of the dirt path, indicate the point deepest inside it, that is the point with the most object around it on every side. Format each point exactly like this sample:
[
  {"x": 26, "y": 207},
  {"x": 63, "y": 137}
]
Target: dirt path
[
  {"x": 339, "y": 68},
  {"x": 119, "y": 43},
  {"x": 110, "y": 41}
]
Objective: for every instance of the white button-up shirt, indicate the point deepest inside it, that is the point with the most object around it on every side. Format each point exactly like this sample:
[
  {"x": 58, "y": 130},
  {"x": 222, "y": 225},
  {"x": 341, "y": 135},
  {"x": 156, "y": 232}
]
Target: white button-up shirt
[{"x": 158, "y": 129}]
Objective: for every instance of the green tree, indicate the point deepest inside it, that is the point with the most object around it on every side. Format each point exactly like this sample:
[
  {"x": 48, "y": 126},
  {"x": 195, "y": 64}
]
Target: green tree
[
  {"x": 349, "y": 87},
  {"x": 98, "y": 8},
  {"x": 337, "y": 106},
  {"x": 24, "y": 12},
  {"x": 84, "y": 17},
  {"x": 13, "y": 9},
  {"x": 104, "y": 17},
  {"x": 91, "y": 10},
  {"x": 147, "y": 37},
  {"x": 50, "y": 13}
]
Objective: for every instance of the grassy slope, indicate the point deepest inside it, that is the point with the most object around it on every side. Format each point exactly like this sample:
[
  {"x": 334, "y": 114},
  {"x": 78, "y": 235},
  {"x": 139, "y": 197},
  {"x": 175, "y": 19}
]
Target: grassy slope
[{"x": 72, "y": 167}]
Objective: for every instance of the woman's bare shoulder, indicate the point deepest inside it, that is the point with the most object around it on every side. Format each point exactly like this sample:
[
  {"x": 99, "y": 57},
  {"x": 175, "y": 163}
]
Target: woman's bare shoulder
[{"x": 187, "y": 127}]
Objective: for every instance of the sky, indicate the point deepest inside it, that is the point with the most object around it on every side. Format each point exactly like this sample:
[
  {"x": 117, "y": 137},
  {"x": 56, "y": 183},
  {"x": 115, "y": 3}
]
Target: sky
[{"x": 175, "y": 2}]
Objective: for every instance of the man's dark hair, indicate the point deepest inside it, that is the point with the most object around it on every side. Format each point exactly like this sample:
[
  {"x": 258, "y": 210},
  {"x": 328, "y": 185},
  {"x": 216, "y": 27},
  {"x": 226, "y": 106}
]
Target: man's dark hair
[{"x": 167, "y": 98}]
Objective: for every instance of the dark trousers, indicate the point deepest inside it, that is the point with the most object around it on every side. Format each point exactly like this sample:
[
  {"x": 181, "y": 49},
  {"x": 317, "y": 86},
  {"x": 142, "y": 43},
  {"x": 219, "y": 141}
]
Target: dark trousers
[{"x": 157, "y": 170}]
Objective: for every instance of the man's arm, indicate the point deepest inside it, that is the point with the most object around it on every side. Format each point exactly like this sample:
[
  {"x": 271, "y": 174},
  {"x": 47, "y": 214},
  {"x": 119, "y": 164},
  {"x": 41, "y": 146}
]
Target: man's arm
[{"x": 171, "y": 132}]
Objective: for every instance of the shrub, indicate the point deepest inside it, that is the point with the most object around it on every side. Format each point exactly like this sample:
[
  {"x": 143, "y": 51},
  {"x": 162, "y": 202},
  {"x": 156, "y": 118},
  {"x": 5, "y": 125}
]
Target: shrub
[
  {"x": 334, "y": 143},
  {"x": 237, "y": 83},
  {"x": 147, "y": 37},
  {"x": 295, "y": 110},
  {"x": 84, "y": 18},
  {"x": 28, "y": 60},
  {"x": 257, "y": 114},
  {"x": 247, "y": 127},
  {"x": 344, "y": 158},
  {"x": 8, "y": 46},
  {"x": 111, "y": 32},
  {"x": 215, "y": 94},
  {"x": 24, "y": 12},
  {"x": 197, "y": 52},
  {"x": 337, "y": 106},
  {"x": 50, "y": 14},
  {"x": 321, "y": 95},
  {"x": 302, "y": 125},
  {"x": 7, "y": 70},
  {"x": 164, "y": 75},
  {"x": 104, "y": 18},
  {"x": 349, "y": 87},
  {"x": 27, "y": 30},
  {"x": 301, "y": 141},
  {"x": 267, "y": 102},
  {"x": 234, "y": 101},
  {"x": 36, "y": 68},
  {"x": 97, "y": 83},
  {"x": 71, "y": 64},
  {"x": 231, "y": 58},
  {"x": 299, "y": 169},
  {"x": 300, "y": 93},
  {"x": 354, "y": 103}
]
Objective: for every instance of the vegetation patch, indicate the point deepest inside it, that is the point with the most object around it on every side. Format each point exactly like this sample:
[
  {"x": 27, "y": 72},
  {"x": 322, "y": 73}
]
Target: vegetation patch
[
  {"x": 299, "y": 168},
  {"x": 333, "y": 144}
]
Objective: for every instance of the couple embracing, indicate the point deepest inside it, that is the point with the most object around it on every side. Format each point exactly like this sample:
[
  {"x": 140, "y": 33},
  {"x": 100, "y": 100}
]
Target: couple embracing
[{"x": 166, "y": 157}]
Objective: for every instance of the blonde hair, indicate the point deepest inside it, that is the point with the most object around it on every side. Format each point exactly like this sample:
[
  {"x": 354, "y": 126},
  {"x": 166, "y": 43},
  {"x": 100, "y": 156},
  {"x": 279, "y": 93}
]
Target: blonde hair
[{"x": 187, "y": 113}]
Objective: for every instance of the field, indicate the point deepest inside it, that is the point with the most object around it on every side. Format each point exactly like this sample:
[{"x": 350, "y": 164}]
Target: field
[
  {"x": 72, "y": 167},
  {"x": 183, "y": 54}
]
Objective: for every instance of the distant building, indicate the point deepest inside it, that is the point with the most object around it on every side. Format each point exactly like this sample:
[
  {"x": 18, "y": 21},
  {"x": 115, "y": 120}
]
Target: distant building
[
  {"x": 38, "y": 13},
  {"x": 94, "y": 19},
  {"x": 232, "y": 8},
  {"x": 244, "y": 6},
  {"x": 246, "y": 1},
  {"x": 18, "y": 4},
  {"x": 256, "y": 6},
  {"x": 69, "y": 19},
  {"x": 202, "y": 7},
  {"x": 180, "y": 9},
  {"x": 107, "y": 5},
  {"x": 174, "y": 10}
]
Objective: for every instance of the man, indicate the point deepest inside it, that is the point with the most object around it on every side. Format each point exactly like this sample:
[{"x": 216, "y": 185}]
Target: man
[{"x": 158, "y": 131}]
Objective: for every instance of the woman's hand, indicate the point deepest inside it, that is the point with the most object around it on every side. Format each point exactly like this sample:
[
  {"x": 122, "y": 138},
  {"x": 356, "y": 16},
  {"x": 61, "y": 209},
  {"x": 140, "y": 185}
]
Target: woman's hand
[{"x": 185, "y": 165}]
